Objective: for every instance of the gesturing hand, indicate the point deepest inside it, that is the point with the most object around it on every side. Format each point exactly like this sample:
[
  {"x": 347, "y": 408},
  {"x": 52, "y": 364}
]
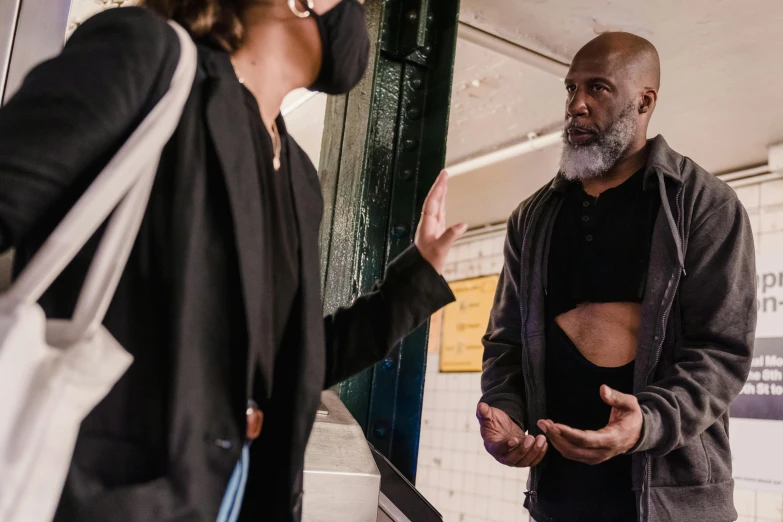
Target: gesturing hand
[
  {"x": 506, "y": 441},
  {"x": 432, "y": 238},
  {"x": 593, "y": 447}
]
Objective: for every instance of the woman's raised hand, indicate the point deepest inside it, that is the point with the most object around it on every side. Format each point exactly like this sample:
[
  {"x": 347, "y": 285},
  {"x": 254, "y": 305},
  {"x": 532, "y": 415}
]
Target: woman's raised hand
[{"x": 432, "y": 238}]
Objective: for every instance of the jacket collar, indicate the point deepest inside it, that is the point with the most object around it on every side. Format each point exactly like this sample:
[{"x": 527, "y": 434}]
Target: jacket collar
[{"x": 660, "y": 158}]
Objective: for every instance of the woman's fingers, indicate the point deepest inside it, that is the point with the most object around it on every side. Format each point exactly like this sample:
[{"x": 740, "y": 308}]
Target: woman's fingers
[
  {"x": 432, "y": 241},
  {"x": 434, "y": 204}
]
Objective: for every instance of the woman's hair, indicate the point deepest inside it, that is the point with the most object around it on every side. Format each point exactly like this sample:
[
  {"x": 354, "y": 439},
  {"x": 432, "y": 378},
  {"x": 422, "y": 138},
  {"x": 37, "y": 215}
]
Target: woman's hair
[{"x": 218, "y": 21}]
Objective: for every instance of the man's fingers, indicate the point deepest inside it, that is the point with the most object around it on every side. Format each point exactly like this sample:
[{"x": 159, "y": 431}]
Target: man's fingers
[
  {"x": 497, "y": 428},
  {"x": 571, "y": 452},
  {"x": 508, "y": 452},
  {"x": 586, "y": 439},
  {"x": 511, "y": 451},
  {"x": 485, "y": 415},
  {"x": 543, "y": 446},
  {"x": 552, "y": 433},
  {"x": 541, "y": 456},
  {"x": 555, "y": 434},
  {"x": 546, "y": 426},
  {"x": 601, "y": 439},
  {"x": 504, "y": 447},
  {"x": 536, "y": 451},
  {"x": 617, "y": 399}
]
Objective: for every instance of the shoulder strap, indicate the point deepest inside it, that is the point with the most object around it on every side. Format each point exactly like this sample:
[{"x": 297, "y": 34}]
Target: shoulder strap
[{"x": 124, "y": 184}]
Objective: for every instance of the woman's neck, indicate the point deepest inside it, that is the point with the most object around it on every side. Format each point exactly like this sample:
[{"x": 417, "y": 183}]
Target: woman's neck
[{"x": 277, "y": 57}]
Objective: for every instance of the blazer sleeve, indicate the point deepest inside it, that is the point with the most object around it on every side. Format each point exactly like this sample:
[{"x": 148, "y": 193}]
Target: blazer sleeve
[
  {"x": 363, "y": 333},
  {"x": 74, "y": 111}
]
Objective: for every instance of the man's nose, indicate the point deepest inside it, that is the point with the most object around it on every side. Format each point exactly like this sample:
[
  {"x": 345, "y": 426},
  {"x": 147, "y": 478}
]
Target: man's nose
[{"x": 576, "y": 106}]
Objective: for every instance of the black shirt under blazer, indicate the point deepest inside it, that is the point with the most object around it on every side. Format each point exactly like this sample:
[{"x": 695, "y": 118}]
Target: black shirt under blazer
[{"x": 162, "y": 445}]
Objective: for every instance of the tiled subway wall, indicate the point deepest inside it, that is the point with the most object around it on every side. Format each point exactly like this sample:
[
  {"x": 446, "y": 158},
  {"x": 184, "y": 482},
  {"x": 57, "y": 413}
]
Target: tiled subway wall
[
  {"x": 455, "y": 473},
  {"x": 764, "y": 203}
]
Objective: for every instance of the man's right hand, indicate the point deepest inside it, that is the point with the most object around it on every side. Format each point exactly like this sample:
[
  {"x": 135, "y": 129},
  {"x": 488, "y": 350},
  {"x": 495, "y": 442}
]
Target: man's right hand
[{"x": 506, "y": 441}]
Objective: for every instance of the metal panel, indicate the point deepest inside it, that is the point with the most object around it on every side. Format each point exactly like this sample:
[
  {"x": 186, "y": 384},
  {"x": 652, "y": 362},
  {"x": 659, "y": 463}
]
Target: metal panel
[
  {"x": 40, "y": 34},
  {"x": 393, "y": 128},
  {"x": 342, "y": 179},
  {"x": 387, "y": 511},
  {"x": 9, "y": 12},
  {"x": 399, "y": 499}
]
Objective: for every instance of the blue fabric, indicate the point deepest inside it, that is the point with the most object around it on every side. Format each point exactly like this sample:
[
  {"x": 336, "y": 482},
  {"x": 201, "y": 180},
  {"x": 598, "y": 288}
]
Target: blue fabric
[{"x": 235, "y": 492}]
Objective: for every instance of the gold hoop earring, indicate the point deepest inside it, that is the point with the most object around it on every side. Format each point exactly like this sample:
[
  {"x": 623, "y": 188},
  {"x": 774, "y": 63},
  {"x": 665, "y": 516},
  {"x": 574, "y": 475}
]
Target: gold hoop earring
[{"x": 301, "y": 14}]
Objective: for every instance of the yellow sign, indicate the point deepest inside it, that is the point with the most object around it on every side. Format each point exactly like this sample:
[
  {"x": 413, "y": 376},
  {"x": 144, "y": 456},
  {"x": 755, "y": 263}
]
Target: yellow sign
[{"x": 464, "y": 324}]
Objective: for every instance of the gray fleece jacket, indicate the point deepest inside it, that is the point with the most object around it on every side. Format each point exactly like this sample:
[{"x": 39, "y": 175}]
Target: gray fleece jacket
[{"x": 696, "y": 338}]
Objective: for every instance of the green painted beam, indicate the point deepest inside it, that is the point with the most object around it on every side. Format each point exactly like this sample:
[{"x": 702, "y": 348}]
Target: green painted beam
[{"x": 384, "y": 145}]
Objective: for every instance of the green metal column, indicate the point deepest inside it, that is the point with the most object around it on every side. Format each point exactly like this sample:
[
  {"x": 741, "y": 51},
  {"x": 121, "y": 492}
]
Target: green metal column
[{"x": 384, "y": 145}]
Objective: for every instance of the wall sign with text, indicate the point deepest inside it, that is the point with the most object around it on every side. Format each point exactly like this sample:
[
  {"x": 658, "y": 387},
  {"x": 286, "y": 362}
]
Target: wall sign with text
[
  {"x": 757, "y": 414},
  {"x": 464, "y": 324}
]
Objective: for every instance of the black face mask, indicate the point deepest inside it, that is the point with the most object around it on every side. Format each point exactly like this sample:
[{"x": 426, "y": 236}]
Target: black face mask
[{"x": 346, "y": 47}]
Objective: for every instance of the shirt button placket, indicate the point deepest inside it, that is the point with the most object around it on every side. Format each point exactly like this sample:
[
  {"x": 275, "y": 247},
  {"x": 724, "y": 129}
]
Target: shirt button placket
[{"x": 586, "y": 223}]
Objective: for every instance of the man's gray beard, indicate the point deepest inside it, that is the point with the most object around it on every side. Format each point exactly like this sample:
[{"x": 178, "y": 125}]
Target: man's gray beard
[{"x": 581, "y": 162}]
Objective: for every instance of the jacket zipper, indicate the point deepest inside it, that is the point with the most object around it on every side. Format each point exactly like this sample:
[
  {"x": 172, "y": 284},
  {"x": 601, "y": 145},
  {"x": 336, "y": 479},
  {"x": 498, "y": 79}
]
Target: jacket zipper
[
  {"x": 533, "y": 493},
  {"x": 646, "y": 494}
]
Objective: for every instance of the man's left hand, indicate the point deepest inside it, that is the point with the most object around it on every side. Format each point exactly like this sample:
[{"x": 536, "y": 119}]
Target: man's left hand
[{"x": 593, "y": 447}]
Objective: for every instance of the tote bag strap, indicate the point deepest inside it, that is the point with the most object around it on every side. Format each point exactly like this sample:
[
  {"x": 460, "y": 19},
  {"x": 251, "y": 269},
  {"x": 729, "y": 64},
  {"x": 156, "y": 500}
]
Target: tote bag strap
[{"x": 124, "y": 184}]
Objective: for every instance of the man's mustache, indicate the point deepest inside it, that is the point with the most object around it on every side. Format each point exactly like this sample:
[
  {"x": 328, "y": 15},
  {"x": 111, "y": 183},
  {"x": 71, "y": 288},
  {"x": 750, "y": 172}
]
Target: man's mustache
[{"x": 581, "y": 127}]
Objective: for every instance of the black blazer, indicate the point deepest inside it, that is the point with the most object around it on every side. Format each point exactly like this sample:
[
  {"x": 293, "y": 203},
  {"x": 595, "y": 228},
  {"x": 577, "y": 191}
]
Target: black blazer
[{"x": 163, "y": 444}]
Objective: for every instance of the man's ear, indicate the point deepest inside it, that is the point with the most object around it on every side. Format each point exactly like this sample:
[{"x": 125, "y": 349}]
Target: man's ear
[{"x": 649, "y": 99}]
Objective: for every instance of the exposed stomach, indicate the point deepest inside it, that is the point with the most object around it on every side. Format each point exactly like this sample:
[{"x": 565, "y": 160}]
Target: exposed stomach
[{"x": 606, "y": 334}]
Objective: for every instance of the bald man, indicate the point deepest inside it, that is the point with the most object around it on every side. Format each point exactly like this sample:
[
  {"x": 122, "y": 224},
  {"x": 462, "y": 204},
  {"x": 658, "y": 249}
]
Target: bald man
[{"x": 623, "y": 323}]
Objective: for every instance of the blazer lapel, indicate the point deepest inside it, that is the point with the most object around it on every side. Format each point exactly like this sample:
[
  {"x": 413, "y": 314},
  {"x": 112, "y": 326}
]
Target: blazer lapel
[
  {"x": 308, "y": 203},
  {"x": 231, "y": 135}
]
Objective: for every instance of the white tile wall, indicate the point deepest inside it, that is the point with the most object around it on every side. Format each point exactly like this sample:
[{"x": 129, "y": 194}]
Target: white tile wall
[
  {"x": 764, "y": 203},
  {"x": 759, "y": 506},
  {"x": 461, "y": 480},
  {"x": 455, "y": 473},
  {"x": 476, "y": 257}
]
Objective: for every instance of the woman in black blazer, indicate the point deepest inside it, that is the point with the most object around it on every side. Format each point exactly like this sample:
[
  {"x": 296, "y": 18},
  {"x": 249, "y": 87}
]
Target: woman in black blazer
[{"x": 220, "y": 303}]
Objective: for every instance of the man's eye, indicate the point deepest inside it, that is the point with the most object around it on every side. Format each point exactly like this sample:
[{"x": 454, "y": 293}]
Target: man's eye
[
  {"x": 570, "y": 88},
  {"x": 598, "y": 88}
]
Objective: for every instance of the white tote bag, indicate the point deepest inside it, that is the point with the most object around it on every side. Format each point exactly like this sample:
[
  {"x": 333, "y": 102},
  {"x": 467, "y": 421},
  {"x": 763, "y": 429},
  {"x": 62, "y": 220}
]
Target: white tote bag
[{"x": 53, "y": 373}]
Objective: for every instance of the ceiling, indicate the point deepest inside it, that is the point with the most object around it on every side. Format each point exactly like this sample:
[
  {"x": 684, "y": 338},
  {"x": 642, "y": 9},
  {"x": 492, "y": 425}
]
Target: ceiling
[
  {"x": 497, "y": 101},
  {"x": 720, "y": 100}
]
